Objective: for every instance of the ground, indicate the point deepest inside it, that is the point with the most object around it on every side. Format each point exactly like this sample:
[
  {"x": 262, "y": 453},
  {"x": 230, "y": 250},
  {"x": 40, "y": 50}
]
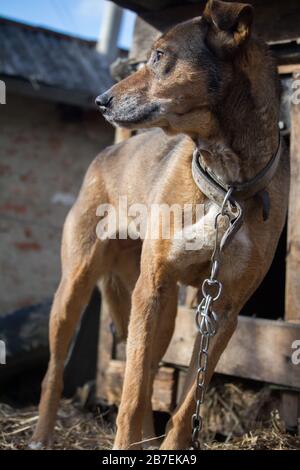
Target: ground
[{"x": 235, "y": 417}]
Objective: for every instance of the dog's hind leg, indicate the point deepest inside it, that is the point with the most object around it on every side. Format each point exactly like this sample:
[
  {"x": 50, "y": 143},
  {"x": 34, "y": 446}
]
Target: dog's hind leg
[
  {"x": 116, "y": 300},
  {"x": 84, "y": 259},
  {"x": 117, "y": 286}
]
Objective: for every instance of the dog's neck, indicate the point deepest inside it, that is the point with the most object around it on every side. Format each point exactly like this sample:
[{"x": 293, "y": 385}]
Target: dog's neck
[
  {"x": 234, "y": 165},
  {"x": 245, "y": 135}
]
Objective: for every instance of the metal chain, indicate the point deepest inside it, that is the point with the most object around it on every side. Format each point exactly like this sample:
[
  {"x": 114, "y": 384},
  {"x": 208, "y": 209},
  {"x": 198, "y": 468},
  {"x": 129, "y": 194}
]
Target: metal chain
[{"x": 207, "y": 320}]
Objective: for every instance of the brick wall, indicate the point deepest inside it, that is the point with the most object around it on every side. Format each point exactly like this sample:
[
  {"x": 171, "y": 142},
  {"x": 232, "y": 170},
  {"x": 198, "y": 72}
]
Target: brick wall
[{"x": 45, "y": 150}]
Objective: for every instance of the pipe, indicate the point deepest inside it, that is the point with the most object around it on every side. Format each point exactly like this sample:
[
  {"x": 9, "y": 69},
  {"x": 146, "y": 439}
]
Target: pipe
[{"x": 108, "y": 40}]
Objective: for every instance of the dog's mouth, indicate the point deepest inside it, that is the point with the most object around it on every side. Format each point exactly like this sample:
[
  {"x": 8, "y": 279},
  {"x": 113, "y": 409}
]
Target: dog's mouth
[{"x": 130, "y": 116}]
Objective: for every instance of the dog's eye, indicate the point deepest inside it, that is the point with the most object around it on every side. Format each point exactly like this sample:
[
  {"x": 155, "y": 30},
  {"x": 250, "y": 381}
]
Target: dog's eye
[{"x": 157, "y": 56}]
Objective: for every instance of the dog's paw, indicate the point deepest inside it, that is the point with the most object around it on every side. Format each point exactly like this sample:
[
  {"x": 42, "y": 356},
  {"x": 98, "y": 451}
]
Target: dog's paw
[
  {"x": 40, "y": 444},
  {"x": 36, "y": 445}
]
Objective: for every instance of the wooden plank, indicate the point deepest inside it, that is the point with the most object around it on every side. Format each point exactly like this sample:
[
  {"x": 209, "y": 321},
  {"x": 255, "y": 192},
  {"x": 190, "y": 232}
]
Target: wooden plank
[
  {"x": 275, "y": 17},
  {"x": 289, "y": 69},
  {"x": 260, "y": 349},
  {"x": 165, "y": 386},
  {"x": 180, "y": 350},
  {"x": 275, "y": 22},
  {"x": 165, "y": 389},
  {"x": 182, "y": 373},
  {"x": 292, "y": 305},
  {"x": 114, "y": 381}
]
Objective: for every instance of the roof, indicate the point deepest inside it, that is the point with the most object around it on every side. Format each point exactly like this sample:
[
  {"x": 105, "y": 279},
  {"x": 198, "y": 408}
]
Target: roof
[
  {"x": 144, "y": 6},
  {"x": 43, "y": 59}
]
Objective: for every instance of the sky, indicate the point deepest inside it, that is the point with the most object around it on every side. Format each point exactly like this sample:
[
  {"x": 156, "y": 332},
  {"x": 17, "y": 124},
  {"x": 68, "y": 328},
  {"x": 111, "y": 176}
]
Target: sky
[{"x": 77, "y": 17}]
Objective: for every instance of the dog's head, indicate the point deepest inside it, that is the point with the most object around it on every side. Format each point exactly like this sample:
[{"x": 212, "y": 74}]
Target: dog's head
[{"x": 187, "y": 73}]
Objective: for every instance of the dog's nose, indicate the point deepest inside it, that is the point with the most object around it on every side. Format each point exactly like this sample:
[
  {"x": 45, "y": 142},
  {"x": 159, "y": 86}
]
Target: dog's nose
[{"x": 104, "y": 101}]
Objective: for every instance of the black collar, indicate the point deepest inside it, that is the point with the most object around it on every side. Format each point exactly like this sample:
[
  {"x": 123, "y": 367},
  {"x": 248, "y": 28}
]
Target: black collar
[{"x": 215, "y": 189}]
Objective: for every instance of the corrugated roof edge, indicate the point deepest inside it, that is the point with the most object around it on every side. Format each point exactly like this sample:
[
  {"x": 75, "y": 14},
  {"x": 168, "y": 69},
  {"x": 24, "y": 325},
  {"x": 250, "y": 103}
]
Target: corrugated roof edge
[
  {"x": 86, "y": 69},
  {"x": 52, "y": 32}
]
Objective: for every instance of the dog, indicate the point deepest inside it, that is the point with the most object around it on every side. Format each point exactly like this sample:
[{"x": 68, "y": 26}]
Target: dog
[{"x": 209, "y": 84}]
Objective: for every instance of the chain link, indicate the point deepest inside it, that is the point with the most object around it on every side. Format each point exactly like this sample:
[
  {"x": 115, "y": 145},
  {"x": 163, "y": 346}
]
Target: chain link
[{"x": 207, "y": 320}]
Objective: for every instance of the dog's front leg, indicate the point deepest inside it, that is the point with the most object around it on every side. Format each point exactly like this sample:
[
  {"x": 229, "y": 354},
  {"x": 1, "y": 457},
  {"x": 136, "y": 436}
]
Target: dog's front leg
[{"x": 150, "y": 300}]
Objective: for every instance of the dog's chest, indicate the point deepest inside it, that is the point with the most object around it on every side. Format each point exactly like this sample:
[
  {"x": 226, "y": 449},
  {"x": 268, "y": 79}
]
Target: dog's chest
[
  {"x": 191, "y": 247},
  {"x": 193, "y": 242}
]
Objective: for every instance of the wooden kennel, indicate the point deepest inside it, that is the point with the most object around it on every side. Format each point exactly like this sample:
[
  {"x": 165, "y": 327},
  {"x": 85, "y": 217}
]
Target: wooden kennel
[{"x": 261, "y": 348}]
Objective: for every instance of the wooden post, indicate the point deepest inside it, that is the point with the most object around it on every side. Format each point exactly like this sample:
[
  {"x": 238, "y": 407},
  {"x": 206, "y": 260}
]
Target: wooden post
[
  {"x": 165, "y": 386},
  {"x": 290, "y": 405},
  {"x": 289, "y": 410},
  {"x": 292, "y": 305}
]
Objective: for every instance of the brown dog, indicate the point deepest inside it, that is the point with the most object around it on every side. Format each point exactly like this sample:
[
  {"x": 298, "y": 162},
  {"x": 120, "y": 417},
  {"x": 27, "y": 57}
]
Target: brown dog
[{"x": 211, "y": 81}]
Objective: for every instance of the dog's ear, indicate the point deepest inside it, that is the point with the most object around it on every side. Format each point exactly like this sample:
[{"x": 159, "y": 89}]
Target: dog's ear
[{"x": 229, "y": 24}]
